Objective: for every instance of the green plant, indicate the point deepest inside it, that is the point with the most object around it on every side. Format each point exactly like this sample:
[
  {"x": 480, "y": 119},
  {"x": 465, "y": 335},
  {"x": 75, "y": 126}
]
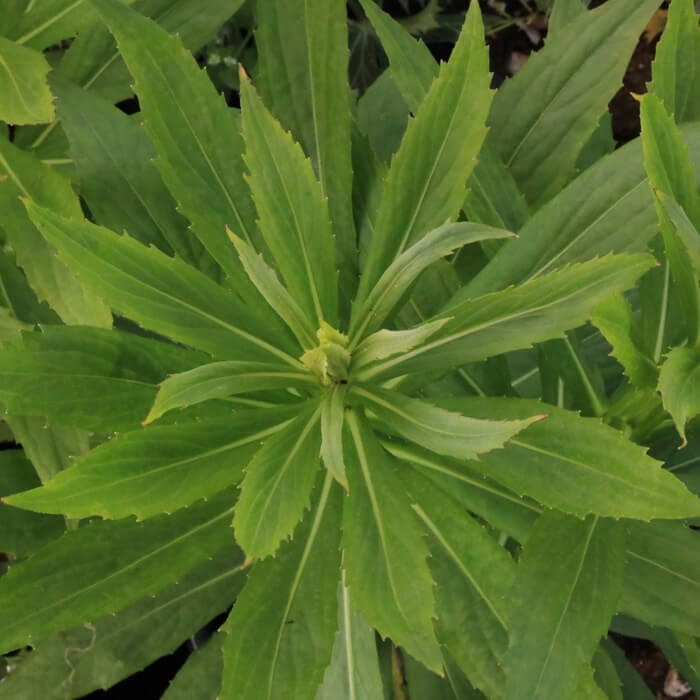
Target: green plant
[{"x": 398, "y": 408}]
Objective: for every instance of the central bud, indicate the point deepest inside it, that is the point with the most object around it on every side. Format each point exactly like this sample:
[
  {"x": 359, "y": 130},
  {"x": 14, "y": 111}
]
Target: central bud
[{"x": 330, "y": 360}]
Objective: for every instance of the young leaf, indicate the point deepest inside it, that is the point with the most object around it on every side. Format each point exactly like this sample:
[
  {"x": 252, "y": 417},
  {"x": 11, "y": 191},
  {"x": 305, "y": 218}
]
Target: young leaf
[
  {"x": 303, "y": 78},
  {"x": 26, "y": 97},
  {"x": 156, "y": 470},
  {"x": 515, "y": 318},
  {"x": 122, "y": 187},
  {"x": 217, "y": 380},
  {"x": 93, "y": 378},
  {"x": 474, "y": 574},
  {"x": 332, "y": 419},
  {"x": 662, "y": 576},
  {"x": 679, "y": 384},
  {"x": 280, "y": 632},
  {"x": 164, "y": 294},
  {"x": 675, "y": 69},
  {"x": 382, "y": 535},
  {"x": 563, "y": 12},
  {"x": 577, "y": 465},
  {"x": 543, "y": 116},
  {"x": 275, "y": 294},
  {"x": 101, "y": 653},
  {"x": 354, "y": 671},
  {"x": 277, "y": 484},
  {"x": 50, "y": 279},
  {"x": 565, "y": 592},
  {"x": 616, "y": 321},
  {"x": 114, "y": 564},
  {"x": 445, "y": 432},
  {"x": 292, "y": 211},
  {"x": 201, "y": 165},
  {"x": 667, "y": 162},
  {"x": 404, "y": 270},
  {"x": 386, "y": 343},
  {"x": 427, "y": 178}
]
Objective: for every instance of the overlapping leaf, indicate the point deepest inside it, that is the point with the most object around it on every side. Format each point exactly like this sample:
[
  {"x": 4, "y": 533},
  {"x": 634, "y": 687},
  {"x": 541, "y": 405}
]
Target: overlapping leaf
[
  {"x": 565, "y": 592},
  {"x": 445, "y": 432},
  {"x": 426, "y": 180},
  {"x": 113, "y": 564},
  {"x": 382, "y": 535},
  {"x": 163, "y": 294},
  {"x": 89, "y": 377},
  {"x": 281, "y": 630},
  {"x": 577, "y": 465},
  {"x": 157, "y": 470},
  {"x": 517, "y": 317},
  {"x": 292, "y": 211},
  {"x": 277, "y": 484},
  {"x": 303, "y": 78},
  {"x": 679, "y": 384}
]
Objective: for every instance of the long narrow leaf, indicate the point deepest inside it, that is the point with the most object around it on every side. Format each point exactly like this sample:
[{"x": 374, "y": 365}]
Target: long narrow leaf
[
  {"x": 426, "y": 180},
  {"x": 156, "y": 470},
  {"x": 292, "y": 211}
]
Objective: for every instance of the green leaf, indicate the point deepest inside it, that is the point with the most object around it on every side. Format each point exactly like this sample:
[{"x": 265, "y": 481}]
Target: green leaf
[
  {"x": 202, "y": 166},
  {"x": 616, "y": 321},
  {"x": 158, "y": 469},
  {"x": 577, "y": 465},
  {"x": 633, "y": 686},
  {"x": 543, "y": 116},
  {"x": 93, "y": 378},
  {"x": 161, "y": 293},
  {"x": 354, "y": 671},
  {"x": 11, "y": 328},
  {"x": 675, "y": 69},
  {"x": 413, "y": 66},
  {"x": 382, "y": 535},
  {"x": 114, "y": 563},
  {"x": 200, "y": 676},
  {"x": 218, "y": 380},
  {"x": 517, "y": 317},
  {"x": 476, "y": 493},
  {"x": 332, "y": 419},
  {"x": 606, "y": 676},
  {"x": 101, "y": 653},
  {"x": 563, "y": 12},
  {"x": 22, "y": 533},
  {"x": 426, "y": 182},
  {"x": 386, "y": 343},
  {"x": 281, "y": 629},
  {"x": 407, "y": 267},
  {"x": 670, "y": 170},
  {"x": 567, "y": 585},
  {"x": 50, "y": 448},
  {"x": 122, "y": 187},
  {"x": 684, "y": 228},
  {"x": 679, "y": 384},
  {"x": 26, "y": 97},
  {"x": 49, "y": 278},
  {"x": 293, "y": 214},
  {"x": 46, "y": 23},
  {"x": 473, "y": 575},
  {"x": 277, "y": 484},
  {"x": 662, "y": 576},
  {"x": 445, "y": 432},
  {"x": 275, "y": 294},
  {"x": 493, "y": 196},
  {"x": 304, "y": 80}
]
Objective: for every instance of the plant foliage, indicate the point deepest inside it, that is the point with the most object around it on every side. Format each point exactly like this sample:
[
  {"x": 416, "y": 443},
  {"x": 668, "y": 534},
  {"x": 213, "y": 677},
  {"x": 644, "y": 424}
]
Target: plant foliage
[{"x": 345, "y": 370}]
